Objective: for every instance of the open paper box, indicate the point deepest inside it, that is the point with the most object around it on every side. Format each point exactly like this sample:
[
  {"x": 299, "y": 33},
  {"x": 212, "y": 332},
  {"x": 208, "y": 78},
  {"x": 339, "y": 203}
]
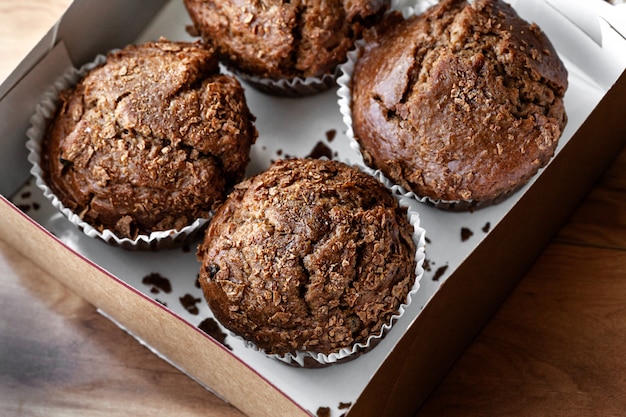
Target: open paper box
[{"x": 474, "y": 259}]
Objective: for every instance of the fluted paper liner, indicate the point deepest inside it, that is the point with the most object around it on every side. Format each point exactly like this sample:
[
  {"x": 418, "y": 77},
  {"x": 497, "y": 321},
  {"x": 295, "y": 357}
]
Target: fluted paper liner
[
  {"x": 345, "y": 99},
  {"x": 308, "y": 359},
  {"x": 290, "y": 87},
  {"x": 44, "y": 112}
]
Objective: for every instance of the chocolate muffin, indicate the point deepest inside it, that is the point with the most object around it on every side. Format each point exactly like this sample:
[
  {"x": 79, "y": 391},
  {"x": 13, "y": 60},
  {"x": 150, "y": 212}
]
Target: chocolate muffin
[
  {"x": 149, "y": 141},
  {"x": 310, "y": 255},
  {"x": 279, "y": 39},
  {"x": 463, "y": 103}
]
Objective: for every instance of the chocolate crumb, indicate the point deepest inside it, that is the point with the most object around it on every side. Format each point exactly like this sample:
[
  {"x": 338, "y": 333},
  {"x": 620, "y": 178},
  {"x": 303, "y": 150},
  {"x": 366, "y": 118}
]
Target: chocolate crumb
[
  {"x": 487, "y": 227},
  {"x": 323, "y": 412},
  {"x": 25, "y": 208},
  {"x": 189, "y": 302},
  {"x": 192, "y": 31},
  {"x": 158, "y": 283},
  {"x": 428, "y": 240},
  {"x": 466, "y": 233},
  {"x": 321, "y": 150},
  {"x": 330, "y": 135},
  {"x": 210, "y": 327},
  {"x": 26, "y": 194},
  {"x": 439, "y": 272},
  {"x": 426, "y": 265},
  {"x": 343, "y": 406}
]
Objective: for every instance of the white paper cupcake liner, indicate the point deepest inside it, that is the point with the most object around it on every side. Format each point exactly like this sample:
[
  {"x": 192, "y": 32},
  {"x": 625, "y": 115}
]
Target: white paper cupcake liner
[
  {"x": 344, "y": 101},
  {"x": 307, "y": 359},
  {"x": 290, "y": 87},
  {"x": 44, "y": 112},
  {"x": 344, "y": 94}
]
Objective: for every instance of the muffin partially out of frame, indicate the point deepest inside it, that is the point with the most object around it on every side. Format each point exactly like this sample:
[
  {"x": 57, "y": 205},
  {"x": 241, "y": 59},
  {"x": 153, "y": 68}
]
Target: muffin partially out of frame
[
  {"x": 310, "y": 256},
  {"x": 284, "y": 47},
  {"x": 148, "y": 141},
  {"x": 461, "y": 104}
]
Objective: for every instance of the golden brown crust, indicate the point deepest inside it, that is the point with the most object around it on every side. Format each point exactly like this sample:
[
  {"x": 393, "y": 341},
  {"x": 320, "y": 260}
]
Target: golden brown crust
[
  {"x": 464, "y": 102},
  {"x": 277, "y": 39},
  {"x": 311, "y": 255},
  {"x": 150, "y": 140}
]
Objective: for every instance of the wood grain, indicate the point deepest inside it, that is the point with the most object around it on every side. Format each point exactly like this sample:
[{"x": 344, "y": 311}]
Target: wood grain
[
  {"x": 58, "y": 356},
  {"x": 554, "y": 348},
  {"x": 601, "y": 219},
  {"x": 22, "y": 24}
]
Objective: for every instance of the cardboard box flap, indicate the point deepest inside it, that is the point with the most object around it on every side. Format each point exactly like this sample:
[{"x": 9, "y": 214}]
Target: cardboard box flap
[
  {"x": 594, "y": 17},
  {"x": 86, "y": 27},
  {"x": 16, "y": 109}
]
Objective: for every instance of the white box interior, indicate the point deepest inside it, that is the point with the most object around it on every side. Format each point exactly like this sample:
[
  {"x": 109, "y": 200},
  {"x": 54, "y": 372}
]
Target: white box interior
[{"x": 293, "y": 127}]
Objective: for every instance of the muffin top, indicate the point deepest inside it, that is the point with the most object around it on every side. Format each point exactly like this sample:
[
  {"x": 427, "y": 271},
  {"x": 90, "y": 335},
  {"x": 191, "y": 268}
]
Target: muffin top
[
  {"x": 310, "y": 255},
  {"x": 463, "y": 102},
  {"x": 150, "y": 140},
  {"x": 280, "y": 39}
]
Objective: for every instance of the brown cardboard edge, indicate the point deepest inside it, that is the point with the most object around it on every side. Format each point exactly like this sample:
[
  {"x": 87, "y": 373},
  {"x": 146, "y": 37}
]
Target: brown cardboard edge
[
  {"x": 440, "y": 334},
  {"x": 189, "y": 348}
]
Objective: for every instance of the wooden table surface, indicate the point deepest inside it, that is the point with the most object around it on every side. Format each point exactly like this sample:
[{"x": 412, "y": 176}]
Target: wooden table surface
[{"x": 556, "y": 347}]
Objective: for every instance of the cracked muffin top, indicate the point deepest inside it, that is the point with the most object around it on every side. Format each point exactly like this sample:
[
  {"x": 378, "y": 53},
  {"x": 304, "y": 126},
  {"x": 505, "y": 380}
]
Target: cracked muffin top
[
  {"x": 461, "y": 103},
  {"x": 280, "y": 39},
  {"x": 150, "y": 140},
  {"x": 310, "y": 255}
]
